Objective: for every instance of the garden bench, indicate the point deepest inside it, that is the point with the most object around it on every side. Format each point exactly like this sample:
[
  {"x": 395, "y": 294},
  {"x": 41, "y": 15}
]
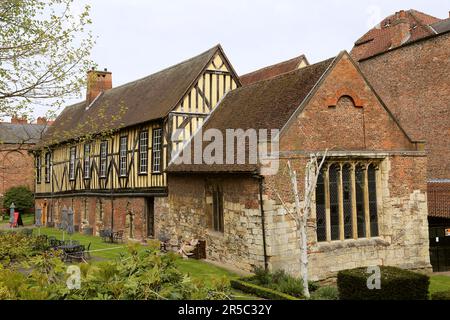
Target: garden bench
[
  {"x": 106, "y": 235},
  {"x": 117, "y": 236}
]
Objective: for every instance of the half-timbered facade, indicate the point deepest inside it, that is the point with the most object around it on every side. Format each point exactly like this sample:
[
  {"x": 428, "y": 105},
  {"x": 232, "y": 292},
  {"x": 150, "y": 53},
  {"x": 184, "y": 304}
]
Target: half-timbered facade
[{"x": 111, "y": 150}]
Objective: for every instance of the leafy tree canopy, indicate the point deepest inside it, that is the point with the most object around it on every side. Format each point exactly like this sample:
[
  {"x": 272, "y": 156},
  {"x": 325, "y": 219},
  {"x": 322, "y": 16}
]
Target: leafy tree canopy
[
  {"x": 44, "y": 53},
  {"x": 21, "y": 196}
]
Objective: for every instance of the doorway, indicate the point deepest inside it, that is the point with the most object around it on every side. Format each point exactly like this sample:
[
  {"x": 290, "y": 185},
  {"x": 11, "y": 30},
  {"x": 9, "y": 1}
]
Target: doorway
[{"x": 150, "y": 209}]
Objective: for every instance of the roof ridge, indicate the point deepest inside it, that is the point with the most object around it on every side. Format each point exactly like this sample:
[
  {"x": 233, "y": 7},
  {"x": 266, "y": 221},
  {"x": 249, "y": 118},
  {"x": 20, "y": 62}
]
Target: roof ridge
[
  {"x": 273, "y": 65},
  {"x": 286, "y": 73},
  {"x": 216, "y": 47}
]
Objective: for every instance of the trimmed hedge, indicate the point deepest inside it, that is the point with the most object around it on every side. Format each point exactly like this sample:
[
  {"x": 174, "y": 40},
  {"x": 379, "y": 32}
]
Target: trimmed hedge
[
  {"x": 260, "y": 291},
  {"x": 441, "y": 295},
  {"x": 396, "y": 284}
]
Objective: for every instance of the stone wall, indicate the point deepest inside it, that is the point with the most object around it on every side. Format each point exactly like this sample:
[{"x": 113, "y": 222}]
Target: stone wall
[
  {"x": 189, "y": 214},
  {"x": 402, "y": 220}
]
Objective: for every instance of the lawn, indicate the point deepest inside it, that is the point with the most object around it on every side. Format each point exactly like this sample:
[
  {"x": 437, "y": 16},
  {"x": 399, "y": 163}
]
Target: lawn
[
  {"x": 198, "y": 270},
  {"x": 439, "y": 283}
]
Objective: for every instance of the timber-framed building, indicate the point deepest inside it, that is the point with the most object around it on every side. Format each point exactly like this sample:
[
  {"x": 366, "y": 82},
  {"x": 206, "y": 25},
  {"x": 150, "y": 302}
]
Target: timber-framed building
[{"x": 106, "y": 156}]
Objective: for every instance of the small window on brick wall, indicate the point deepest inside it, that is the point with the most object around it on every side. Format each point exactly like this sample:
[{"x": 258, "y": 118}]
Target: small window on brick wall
[
  {"x": 217, "y": 210},
  {"x": 346, "y": 201}
]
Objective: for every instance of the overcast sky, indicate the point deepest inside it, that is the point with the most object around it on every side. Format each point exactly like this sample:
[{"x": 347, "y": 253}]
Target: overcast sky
[{"x": 138, "y": 37}]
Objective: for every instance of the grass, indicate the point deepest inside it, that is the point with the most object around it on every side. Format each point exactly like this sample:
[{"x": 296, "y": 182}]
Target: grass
[
  {"x": 198, "y": 270},
  {"x": 439, "y": 283}
]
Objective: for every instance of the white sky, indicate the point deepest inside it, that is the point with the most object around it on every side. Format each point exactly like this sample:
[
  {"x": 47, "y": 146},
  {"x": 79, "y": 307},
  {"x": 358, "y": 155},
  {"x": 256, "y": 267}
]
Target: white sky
[{"x": 136, "y": 38}]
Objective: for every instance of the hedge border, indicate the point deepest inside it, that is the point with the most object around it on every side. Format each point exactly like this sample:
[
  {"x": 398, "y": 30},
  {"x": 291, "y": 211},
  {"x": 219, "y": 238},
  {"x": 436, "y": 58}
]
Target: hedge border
[
  {"x": 259, "y": 291},
  {"x": 441, "y": 295}
]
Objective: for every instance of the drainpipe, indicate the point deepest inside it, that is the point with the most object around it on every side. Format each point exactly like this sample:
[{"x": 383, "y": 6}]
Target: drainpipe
[{"x": 263, "y": 219}]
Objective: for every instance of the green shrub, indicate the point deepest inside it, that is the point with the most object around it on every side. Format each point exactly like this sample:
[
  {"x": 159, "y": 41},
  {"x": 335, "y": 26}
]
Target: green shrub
[
  {"x": 325, "y": 293},
  {"x": 260, "y": 291},
  {"x": 440, "y": 295},
  {"x": 21, "y": 196},
  {"x": 278, "y": 281},
  {"x": 262, "y": 276},
  {"x": 137, "y": 275},
  {"x": 396, "y": 284}
]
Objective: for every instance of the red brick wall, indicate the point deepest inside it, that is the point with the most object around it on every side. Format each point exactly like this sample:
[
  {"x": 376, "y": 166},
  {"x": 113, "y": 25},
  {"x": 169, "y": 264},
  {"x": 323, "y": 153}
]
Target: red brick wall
[
  {"x": 361, "y": 124},
  {"x": 414, "y": 83},
  {"x": 122, "y": 207},
  {"x": 16, "y": 167}
]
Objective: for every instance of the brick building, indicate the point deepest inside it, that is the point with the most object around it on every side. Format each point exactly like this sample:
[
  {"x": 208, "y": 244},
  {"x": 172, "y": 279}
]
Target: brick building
[
  {"x": 106, "y": 156},
  {"x": 113, "y": 158},
  {"x": 17, "y": 138},
  {"x": 369, "y": 207},
  {"x": 407, "y": 60}
]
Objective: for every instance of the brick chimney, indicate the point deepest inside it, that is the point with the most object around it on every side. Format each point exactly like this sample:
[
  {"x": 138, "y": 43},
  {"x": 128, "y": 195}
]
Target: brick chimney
[
  {"x": 17, "y": 120},
  {"x": 400, "y": 32},
  {"x": 97, "y": 82},
  {"x": 41, "y": 120}
]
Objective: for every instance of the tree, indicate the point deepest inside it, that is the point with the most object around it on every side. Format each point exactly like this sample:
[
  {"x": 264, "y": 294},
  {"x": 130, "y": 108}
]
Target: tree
[
  {"x": 21, "y": 196},
  {"x": 44, "y": 53},
  {"x": 303, "y": 208}
]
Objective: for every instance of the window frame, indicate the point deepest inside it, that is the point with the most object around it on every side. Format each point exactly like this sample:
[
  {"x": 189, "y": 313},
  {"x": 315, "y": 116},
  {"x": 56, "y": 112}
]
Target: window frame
[
  {"x": 103, "y": 159},
  {"x": 87, "y": 161},
  {"x": 352, "y": 189},
  {"x": 48, "y": 164},
  {"x": 39, "y": 168},
  {"x": 123, "y": 157},
  {"x": 142, "y": 152},
  {"x": 156, "y": 151},
  {"x": 218, "y": 220},
  {"x": 72, "y": 163}
]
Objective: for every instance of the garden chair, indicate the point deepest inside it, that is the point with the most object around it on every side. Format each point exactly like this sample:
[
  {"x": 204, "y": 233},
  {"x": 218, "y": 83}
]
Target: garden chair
[
  {"x": 105, "y": 235},
  {"x": 118, "y": 236}
]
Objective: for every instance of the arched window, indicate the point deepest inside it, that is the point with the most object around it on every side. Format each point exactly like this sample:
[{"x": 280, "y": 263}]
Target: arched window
[{"x": 346, "y": 202}]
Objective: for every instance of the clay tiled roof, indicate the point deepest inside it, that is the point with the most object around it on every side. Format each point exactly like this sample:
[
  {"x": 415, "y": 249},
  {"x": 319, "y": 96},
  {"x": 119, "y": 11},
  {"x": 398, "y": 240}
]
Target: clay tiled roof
[
  {"x": 137, "y": 102},
  {"x": 441, "y": 26},
  {"x": 267, "y": 104},
  {"x": 11, "y": 133},
  {"x": 439, "y": 199},
  {"x": 273, "y": 70},
  {"x": 381, "y": 38}
]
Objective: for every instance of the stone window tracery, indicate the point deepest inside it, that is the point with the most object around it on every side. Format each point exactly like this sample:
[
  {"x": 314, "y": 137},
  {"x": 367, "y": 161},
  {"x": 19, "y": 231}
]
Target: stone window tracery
[{"x": 346, "y": 200}]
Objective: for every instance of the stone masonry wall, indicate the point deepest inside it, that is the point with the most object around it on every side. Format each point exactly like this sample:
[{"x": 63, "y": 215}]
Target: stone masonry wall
[
  {"x": 188, "y": 215},
  {"x": 402, "y": 221}
]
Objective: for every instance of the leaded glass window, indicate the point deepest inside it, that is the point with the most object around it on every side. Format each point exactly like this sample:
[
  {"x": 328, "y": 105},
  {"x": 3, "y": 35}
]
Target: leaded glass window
[
  {"x": 156, "y": 151},
  {"x": 47, "y": 167},
  {"x": 123, "y": 151},
  {"x": 103, "y": 158},
  {"x": 373, "y": 201},
  {"x": 346, "y": 201},
  {"x": 143, "y": 152},
  {"x": 320, "y": 209},
  {"x": 360, "y": 213},
  {"x": 72, "y": 159},
  {"x": 87, "y": 161},
  {"x": 38, "y": 168},
  {"x": 334, "y": 200}
]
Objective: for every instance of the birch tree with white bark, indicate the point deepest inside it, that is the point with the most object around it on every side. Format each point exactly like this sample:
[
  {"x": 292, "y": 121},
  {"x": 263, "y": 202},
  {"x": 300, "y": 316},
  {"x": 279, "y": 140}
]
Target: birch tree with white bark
[{"x": 302, "y": 208}]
